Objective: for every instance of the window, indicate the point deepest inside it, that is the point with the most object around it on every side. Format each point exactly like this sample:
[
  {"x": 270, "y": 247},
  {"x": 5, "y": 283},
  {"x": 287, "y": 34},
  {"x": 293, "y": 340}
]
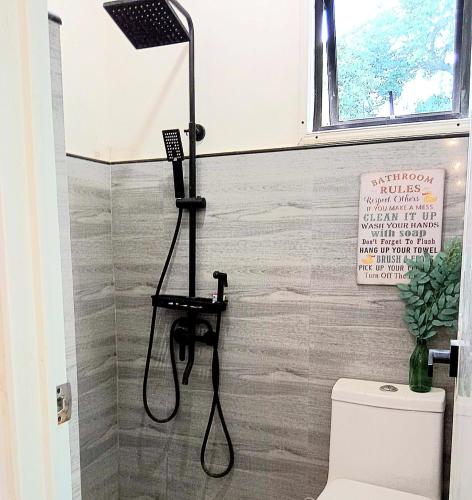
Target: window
[{"x": 379, "y": 62}]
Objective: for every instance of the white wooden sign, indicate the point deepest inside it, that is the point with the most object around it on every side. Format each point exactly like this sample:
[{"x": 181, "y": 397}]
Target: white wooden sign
[{"x": 400, "y": 215}]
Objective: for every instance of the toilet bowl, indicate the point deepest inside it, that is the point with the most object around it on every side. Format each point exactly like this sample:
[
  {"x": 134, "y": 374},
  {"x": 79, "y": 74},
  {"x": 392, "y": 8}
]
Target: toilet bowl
[
  {"x": 344, "y": 489},
  {"x": 386, "y": 442}
]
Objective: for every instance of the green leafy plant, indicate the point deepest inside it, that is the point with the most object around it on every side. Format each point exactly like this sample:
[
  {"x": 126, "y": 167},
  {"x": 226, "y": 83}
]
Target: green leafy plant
[{"x": 432, "y": 295}]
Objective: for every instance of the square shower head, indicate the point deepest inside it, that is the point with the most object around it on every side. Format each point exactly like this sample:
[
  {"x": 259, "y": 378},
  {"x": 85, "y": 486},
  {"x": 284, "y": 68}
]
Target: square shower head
[
  {"x": 173, "y": 144},
  {"x": 147, "y": 23}
]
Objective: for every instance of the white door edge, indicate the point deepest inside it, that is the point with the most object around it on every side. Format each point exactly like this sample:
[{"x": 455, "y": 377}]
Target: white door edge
[{"x": 31, "y": 311}]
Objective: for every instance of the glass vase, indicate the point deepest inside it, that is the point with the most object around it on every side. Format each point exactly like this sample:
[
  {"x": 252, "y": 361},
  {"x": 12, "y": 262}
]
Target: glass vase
[{"x": 420, "y": 381}]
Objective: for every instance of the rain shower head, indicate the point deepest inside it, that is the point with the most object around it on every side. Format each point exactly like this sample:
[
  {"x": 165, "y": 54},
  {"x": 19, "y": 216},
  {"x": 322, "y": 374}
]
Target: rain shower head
[{"x": 147, "y": 23}]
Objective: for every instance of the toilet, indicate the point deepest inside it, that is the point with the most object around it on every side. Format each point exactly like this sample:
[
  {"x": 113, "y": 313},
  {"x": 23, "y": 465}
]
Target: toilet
[{"x": 386, "y": 442}]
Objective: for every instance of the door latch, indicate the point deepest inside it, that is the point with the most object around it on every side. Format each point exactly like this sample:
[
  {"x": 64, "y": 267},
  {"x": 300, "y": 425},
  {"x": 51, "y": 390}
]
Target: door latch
[
  {"x": 64, "y": 403},
  {"x": 446, "y": 356}
]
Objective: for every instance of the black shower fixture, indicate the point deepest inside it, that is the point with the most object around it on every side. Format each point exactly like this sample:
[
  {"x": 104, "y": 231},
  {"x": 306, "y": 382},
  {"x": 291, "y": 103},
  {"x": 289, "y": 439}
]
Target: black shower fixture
[
  {"x": 148, "y": 23},
  {"x": 152, "y": 23},
  {"x": 175, "y": 154}
]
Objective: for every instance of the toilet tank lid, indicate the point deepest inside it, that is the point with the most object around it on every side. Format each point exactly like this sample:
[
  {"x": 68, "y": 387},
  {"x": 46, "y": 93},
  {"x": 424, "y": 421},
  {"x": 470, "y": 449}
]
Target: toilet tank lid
[{"x": 387, "y": 395}]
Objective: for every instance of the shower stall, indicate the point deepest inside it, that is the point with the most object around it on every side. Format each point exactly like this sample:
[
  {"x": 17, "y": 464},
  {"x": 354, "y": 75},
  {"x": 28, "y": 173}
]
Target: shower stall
[
  {"x": 156, "y": 352},
  {"x": 146, "y": 24}
]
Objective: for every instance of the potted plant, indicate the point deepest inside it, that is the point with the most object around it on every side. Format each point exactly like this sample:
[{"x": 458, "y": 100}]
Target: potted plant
[{"x": 432, "y": 303}]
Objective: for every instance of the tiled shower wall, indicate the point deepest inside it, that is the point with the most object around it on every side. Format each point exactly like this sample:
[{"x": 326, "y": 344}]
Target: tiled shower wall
[
  {"x": 92, "y": 265},
  {"x": 284, "y": 227}
]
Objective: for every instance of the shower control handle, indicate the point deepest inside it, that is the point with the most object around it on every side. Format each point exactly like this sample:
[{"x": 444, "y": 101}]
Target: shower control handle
[
  {"x": 188, "y": 368},
  {"x": 182, "y": 352},
  {"x": 222, "y": 283}
]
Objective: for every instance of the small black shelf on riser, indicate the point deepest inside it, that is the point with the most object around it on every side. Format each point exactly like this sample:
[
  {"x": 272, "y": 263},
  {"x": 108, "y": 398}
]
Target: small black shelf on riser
[{"x": 184, "y": 303}]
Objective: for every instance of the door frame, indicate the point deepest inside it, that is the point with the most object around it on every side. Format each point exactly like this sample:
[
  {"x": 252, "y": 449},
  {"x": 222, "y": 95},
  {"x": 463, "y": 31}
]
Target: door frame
[
  {"x": 460, "y": 481},
  {"x": 34, "y": 450}
]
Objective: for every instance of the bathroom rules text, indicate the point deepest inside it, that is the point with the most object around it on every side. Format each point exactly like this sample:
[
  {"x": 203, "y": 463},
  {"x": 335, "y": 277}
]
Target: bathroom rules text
[{"x": 400, "y": 215}]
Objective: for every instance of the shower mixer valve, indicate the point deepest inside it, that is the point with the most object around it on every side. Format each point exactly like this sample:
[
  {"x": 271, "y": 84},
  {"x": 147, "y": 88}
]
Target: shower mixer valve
[
  {"x": 187, "y": 333},
  {"x": 188, "y": 330}
]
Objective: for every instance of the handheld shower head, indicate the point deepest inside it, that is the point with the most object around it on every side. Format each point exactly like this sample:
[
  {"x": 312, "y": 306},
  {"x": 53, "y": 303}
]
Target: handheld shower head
[
  {"x": 147, "y": 23},
  {"x": 175, "y": 154},
  {"x": 173, "y": 144}
]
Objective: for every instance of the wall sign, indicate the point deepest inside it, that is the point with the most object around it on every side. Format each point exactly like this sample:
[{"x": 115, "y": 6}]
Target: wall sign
[{"x": 400, "y": 215}]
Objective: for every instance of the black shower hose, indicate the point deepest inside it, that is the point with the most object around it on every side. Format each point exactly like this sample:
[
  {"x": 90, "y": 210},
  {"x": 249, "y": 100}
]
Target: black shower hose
[
  {"x": 215, "y": 371},
  {"x": 215, "y": 375},
  {"x": 151, "y": 339}
]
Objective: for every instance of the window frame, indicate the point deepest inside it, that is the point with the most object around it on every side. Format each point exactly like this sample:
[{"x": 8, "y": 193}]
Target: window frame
[{"x": 460, "y": 104}]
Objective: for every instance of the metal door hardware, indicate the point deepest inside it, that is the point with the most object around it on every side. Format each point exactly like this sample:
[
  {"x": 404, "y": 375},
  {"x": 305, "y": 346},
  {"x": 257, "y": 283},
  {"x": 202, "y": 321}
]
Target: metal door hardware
[
  {"x": 64, "y": 403},
  {"x": 446, "y": 356}
]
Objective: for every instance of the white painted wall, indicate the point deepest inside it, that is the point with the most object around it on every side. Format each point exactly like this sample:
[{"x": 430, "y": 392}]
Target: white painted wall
[
  {"x": 250, "y": 86},
  {"x": 86, "y": 81},
  {"x": 31, "y": 313}
]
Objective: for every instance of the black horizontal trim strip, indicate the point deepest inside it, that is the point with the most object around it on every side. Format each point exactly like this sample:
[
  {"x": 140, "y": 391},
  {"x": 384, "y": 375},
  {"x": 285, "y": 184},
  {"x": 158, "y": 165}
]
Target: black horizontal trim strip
[
  {"x": 54, "y": 18},
  {"x": 290, "y": 148},
  {"x": 146, "y": 160},
  {"x": 86, "y": 158}
]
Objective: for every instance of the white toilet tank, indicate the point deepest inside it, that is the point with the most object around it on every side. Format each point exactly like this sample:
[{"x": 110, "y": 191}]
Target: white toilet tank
[{"x": 387, "y": 435}]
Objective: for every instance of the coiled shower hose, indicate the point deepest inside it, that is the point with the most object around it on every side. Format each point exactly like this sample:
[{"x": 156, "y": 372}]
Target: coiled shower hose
[{"x": 215, "y": 371}]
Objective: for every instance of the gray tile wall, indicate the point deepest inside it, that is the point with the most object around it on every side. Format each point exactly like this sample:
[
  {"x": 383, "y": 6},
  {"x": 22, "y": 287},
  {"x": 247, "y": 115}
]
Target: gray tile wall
[
  {"x": 90, "y": 225},
  {"x": 284, "y": 228},
  {"x": 66, "y": 261}
]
